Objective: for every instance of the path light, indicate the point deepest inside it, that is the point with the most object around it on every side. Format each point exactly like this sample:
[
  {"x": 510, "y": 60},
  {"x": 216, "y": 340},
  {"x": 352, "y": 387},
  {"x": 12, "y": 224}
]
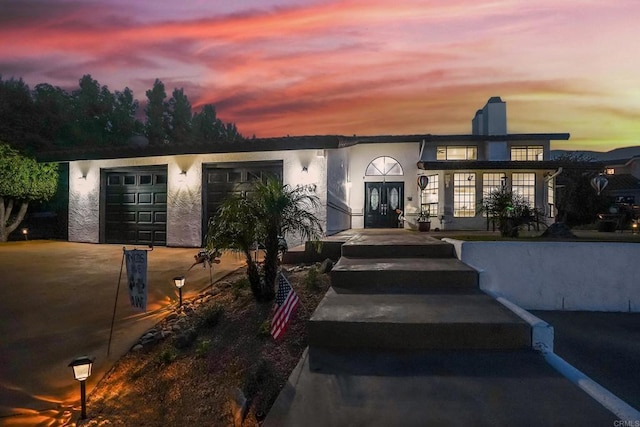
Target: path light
[
  {"x": 81, "y": 371},
  {"x": 25, "y": 233},
  {"x": 179, "y": 282}
]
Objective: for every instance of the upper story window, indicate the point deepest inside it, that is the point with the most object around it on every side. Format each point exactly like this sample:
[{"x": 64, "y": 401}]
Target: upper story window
[
  {"x": 384, "y": 166},
  {"x": 521, "y": 153},
  {"x": 610, "y": 171},
  {"x": 457, "y": 152}
]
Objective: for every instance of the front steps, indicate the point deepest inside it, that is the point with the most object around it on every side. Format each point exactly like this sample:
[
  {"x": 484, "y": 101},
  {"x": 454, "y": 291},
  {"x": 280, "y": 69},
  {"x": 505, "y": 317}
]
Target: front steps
[{"x": 385, "y": 296}]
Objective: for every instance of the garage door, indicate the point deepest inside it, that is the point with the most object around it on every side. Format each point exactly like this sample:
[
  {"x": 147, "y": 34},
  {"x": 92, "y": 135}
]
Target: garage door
[
  {"x": 223, "y": 179},
  {"x": 135, "y": 208}
]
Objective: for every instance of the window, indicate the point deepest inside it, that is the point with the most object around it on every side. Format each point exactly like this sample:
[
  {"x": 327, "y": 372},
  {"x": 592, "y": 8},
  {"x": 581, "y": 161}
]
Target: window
[
  {"x": 457, "y": 152},
  {"x": 522, "y": 153},
  {"x": 430, "y": 195},
  {"x": 384, "y": 166},
  {"x": 464, "y": 194},
  {"x": 610, "y": 171},
  {"x": 525, "y": 185},
  {"x": 551, "y": 198},
  {"x": 491, "y": 182}
]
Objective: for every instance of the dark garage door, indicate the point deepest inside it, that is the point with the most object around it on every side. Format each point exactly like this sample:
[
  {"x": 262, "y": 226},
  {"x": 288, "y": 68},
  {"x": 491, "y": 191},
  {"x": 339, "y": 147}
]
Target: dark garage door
[
  {"x": 135, "y": 208},
  {"x": 223, "y": 179}
]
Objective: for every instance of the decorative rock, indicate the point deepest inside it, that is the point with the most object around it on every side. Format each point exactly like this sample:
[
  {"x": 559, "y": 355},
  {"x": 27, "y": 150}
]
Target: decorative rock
[
  {"x": 326, "y": 266},
  {"x": 171, "y": 316},
  {"x": 137, "y": 348},
  {"x": 558, "y": 230}
]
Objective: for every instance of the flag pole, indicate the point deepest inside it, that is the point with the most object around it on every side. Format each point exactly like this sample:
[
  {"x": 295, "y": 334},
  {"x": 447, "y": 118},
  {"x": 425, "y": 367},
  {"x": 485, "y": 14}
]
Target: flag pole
[{"x": 115, "y": 304}]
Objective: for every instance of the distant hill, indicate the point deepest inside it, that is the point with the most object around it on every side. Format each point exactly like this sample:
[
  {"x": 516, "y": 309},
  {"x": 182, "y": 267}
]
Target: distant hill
[{"x": 607, "y": 156}]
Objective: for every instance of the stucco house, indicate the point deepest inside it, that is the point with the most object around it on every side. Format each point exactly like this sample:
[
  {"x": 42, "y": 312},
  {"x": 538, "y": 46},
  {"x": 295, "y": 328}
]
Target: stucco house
[
  {"x": 623, "y": 178},
  {"x": 165, "y": 195}
]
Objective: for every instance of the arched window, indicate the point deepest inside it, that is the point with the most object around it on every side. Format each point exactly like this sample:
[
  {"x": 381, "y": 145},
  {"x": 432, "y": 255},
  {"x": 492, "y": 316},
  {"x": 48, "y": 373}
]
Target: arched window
[{"x": 384, "y": 166}]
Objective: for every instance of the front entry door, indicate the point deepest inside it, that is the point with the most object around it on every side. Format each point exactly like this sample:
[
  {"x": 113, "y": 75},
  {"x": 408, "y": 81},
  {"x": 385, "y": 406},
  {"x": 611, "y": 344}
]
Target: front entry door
[{"x": 381, "y": 201}]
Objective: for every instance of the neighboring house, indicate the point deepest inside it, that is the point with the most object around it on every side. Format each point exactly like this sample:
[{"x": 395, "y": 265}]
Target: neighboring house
[
  {"x": 165, "y": 195},
  {"x": 623, "y": 178}
]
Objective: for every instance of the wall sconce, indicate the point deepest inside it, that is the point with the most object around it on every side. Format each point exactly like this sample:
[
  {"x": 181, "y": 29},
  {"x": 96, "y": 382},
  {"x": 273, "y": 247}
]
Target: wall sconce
[
  {"x": 182, "y": 176},
  {"x": 305, "y": 169},
  {"x": 83, "y": 176}
]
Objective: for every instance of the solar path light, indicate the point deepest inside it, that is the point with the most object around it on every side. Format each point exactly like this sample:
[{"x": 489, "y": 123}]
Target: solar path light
[
  {"x": 179, "y": 282},
  {"x": 81, "y": 371}
]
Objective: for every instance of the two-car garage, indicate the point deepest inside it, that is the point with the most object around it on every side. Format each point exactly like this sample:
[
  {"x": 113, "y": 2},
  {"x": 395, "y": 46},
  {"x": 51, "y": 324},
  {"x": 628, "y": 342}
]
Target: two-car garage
[{"x": 133, "y": 200}]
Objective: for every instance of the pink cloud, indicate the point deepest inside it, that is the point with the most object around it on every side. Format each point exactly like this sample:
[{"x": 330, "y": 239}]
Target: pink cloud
[{"x": 349, "y": 66}]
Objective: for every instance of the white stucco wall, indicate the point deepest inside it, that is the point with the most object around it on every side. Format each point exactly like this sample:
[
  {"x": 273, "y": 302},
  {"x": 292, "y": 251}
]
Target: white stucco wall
[
  {"x": 591, "y": 276},
  {"x": 407, "y": 154},
  {"x": 184, "y": 193}
]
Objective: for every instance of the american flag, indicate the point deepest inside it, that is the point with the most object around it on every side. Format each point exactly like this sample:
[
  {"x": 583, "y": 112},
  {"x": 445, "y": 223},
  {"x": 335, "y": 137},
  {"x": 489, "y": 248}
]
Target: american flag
[{"x": 286, "y": 301}]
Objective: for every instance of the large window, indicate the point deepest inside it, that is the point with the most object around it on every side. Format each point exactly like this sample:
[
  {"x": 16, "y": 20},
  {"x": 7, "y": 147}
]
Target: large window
[
  {"x": 457, "y": 152},
  {"x": 464, "y": 194},
  {"x": 430, "y": 195},
  {"x": 521, "y": 153},
  {"x": 551, "y": 197},
  {"x": 492, "y": 182},
  {"x": 525, "y": 185}
]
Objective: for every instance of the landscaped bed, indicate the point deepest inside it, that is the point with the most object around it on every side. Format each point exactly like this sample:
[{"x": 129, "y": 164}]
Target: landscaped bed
[{"x": 197, "y": 380}]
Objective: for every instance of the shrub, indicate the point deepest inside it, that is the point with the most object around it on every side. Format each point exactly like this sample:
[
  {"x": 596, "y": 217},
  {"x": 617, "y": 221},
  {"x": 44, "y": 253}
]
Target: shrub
[
  {"x": 312, "y": 280},
  {"x": 167, "y": 356},
  {"x": 208, "y": 317},
  {"x": 265, "y": 329},
  {"x": 203, "y": 347}
]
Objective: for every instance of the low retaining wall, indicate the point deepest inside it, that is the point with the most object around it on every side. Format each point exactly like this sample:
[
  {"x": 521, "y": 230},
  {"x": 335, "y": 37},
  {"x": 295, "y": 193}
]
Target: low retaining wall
[{"x": 591, "y": 276}]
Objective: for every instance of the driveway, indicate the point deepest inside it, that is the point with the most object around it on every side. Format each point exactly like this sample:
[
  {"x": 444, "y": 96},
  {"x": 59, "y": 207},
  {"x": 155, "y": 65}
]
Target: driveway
[{"x": 57, "y": 301}]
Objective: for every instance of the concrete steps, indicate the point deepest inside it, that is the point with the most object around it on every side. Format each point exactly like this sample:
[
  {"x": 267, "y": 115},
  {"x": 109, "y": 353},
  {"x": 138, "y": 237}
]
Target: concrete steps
[
  {"x": 401, "y": 275},
  {"x": 408, "y": 292},
  {"x": 396, "y": 246},
  {"x": 425, "y": 322}
]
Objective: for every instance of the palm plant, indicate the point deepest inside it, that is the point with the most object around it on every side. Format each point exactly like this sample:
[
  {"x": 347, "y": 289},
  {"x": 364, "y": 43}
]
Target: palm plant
[{"x": 268, "y": 211}]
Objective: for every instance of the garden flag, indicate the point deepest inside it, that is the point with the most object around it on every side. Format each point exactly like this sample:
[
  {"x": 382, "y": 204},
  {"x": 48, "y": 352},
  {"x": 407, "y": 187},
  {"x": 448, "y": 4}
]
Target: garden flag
[
  {"x": 137, "y": 278},
  {"x": 286, "y": 301}
]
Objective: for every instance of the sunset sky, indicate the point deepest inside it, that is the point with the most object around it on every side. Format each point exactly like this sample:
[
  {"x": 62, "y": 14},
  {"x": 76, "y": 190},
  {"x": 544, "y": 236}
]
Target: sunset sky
[{"x": 366, "y": 67}]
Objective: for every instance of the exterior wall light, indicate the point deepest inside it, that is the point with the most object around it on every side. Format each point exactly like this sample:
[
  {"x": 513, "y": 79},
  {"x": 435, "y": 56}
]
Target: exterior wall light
[
  {"x": 83, "y": 176},
  {"x": 305, "y": 169},
  {"x": 81, "y": 371},
  {"x": 179, "y": 282}
]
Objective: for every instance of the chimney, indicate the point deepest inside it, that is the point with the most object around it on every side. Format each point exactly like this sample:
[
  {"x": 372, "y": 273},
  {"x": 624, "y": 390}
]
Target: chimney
[{"x": 492, "y": 119}]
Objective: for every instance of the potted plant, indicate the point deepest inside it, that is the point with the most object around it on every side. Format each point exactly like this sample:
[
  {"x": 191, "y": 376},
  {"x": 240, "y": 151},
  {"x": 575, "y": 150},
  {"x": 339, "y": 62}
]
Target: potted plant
[{"x": 424, "y": 221}]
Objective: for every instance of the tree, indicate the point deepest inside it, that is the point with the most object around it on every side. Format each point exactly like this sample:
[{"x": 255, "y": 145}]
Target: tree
[
  {"x": 156, "y": 125},
  {"x": 54, "y": 109},
  {"x": 206, "y": 125},
  {"x": 577, "y": 202},
  {"x": 22, "y": 180},
  {"x": 268, "y": 212},
  {"x": 509, "y": 209},
  {"x": 17, "y": 118},
  {"x": 93, "y": 107},
  {"x": 123, "y": 122},
  {"x": 179, "y": 117}
]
